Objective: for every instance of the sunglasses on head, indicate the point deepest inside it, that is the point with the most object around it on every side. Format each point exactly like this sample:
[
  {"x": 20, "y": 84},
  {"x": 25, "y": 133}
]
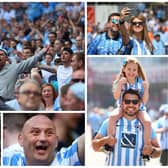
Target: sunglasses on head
[
  {"x": 115, "y": 21},
  {"x": 137, "y": 23},
  {"x": 135, "y": 101}
]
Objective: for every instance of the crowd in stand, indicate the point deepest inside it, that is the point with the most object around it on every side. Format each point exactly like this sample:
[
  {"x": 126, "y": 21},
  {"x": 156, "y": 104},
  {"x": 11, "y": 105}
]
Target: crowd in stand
[{"x": 43, "y": 42}]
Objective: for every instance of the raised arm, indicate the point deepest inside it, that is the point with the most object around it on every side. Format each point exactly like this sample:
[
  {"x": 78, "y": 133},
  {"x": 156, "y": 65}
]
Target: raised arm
[
  {"x": 124, "y": 32},
  {"x": 117, "y": 86},
  {"x": 145, "y": 97},
  {"x": 31, "y": 62},
  {"x": 48, "y": 68}
]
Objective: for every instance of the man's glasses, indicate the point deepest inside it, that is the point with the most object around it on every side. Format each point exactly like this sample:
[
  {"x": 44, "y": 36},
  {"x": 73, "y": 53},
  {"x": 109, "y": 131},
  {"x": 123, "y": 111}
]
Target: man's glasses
[
  {"x": 137, "y": 23},
  {"x": 78, "y": 80},
  {"x": 115, "y": 21},
  {"x": 29, "y": 92},
  {"x": 134, "y": 102}
]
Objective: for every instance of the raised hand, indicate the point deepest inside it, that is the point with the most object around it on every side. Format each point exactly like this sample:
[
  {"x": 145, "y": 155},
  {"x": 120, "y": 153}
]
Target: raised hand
[{"x": 125, "y": 12}]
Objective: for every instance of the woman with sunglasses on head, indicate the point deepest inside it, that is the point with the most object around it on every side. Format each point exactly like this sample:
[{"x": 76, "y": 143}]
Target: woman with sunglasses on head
[
  {"x": 132, "y": 76},
  {"x": 138, "y": 33}
]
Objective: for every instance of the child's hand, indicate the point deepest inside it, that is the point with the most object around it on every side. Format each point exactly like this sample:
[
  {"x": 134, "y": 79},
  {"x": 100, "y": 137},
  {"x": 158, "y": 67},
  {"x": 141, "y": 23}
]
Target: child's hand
[
  {"x": 122, "y": 81},
  {"x": 145, "y": 85}
]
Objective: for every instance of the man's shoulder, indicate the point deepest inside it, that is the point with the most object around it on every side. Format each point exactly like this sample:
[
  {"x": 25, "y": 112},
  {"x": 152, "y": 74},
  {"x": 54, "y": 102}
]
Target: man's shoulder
[
  {"x": 67, "y": 156},
  {"x": 13, "y": 156}
]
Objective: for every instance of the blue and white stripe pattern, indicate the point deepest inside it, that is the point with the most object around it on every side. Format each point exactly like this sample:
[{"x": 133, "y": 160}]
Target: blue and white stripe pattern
[
  {"x": 129, "y": 136},
  {"x": 136, "y": 86},
  {"x": 14, "y": 156},
  {"x": 103, "y": 45},
  {"x": 140, "y": 48},
  {"x": 128, "y": 149},
  {"x": 67, "y": 156}
]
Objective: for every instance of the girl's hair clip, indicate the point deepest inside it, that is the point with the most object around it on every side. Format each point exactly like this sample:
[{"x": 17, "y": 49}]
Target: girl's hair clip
[{"x": 124, "y": 62}]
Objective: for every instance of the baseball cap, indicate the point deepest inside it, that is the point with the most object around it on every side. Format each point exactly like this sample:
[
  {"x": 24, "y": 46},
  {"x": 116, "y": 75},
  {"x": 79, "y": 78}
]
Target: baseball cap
[
  {"x": 4, "y": 50},
  {"x": 78, "y": 89}
]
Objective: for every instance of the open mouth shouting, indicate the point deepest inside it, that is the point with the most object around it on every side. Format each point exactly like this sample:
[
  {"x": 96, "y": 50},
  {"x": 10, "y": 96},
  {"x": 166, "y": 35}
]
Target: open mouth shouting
[{"x": 41, "y": 149}]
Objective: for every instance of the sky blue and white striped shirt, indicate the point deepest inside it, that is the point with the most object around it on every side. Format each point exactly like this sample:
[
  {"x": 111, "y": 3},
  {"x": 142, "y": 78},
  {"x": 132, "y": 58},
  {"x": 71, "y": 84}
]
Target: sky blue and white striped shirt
[
  {"x": 14, "y": 156},
  {"x": 103, "y": 45},
  {"x": 128, "y": 149},
  {"x": 140, "y": 48}
]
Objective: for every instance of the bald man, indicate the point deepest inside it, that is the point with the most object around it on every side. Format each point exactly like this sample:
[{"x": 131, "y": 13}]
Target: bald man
[{"x": 39, "y": 140}]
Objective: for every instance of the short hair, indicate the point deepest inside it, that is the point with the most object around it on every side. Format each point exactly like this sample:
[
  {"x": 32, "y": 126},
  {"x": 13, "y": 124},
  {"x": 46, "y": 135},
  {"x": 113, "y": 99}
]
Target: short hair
[
  {"x": 113, "y": 14},
  {"x": 80, "y": 56},
  {"x": 53, "y": 33},
  {"x": 28, "y": 48},
  {"x": 68, "y": 50},
  {"x": 64, "y": 89},
  {"x": 31, "y": 81},
  {"x": 133, "y": 92}
]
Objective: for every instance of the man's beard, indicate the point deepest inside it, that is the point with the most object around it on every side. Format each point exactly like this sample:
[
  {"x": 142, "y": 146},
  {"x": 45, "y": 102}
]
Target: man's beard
[
  {"x": 131, "y": 115},
  {"x": 115, "y": 34}
]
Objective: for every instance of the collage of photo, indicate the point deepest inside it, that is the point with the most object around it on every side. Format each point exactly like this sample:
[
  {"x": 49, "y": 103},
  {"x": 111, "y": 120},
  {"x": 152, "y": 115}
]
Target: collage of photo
[{"x": 84, "y": 83}]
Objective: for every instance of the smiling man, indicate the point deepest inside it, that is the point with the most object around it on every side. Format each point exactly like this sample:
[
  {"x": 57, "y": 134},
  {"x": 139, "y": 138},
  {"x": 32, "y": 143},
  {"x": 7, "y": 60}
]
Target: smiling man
[
  {"x": 128, "y": 142},
  {"x": 39, "y": 140}
]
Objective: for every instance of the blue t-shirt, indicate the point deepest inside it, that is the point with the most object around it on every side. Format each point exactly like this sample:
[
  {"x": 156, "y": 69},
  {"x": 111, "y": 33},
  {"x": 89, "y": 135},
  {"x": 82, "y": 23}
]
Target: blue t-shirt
[{"x": 103, "y": 45}]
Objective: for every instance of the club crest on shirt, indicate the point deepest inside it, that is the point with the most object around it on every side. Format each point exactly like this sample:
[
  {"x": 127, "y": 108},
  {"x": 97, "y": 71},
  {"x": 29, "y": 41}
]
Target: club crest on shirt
[{"x": 128, "y": 140}]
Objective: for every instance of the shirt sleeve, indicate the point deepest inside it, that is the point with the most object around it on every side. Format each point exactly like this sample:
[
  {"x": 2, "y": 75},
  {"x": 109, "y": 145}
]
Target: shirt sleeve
[
  {"x": 26, "y": 65},
  {"x": 13, "y": 156},
  {"x": 103, "y": 129},
  {"x": 68, "y": 156},
  {"x": 153, "y": 134}
]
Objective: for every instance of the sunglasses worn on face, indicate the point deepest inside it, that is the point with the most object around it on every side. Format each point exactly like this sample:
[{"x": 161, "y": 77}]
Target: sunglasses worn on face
[
  {"x": 137, "y": 23},
  {"x": 134, "y": 102},
  {"x": 78, "y": 80},
  {"x": 115, "y": 21}
]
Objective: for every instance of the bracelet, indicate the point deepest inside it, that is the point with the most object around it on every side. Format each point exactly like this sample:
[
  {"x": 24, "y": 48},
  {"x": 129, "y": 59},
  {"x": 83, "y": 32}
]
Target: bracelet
[
  {"x": 153, "y": 150},
  {"x": 121, "y": 22}
]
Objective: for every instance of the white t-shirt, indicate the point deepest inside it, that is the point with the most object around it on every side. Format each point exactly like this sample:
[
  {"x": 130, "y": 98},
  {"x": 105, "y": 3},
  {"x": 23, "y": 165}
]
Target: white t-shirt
[{"x": 64, "y": 75}]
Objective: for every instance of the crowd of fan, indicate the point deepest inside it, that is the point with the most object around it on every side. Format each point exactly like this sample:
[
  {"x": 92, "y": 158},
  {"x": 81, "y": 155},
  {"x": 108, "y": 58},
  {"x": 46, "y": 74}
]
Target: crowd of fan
[{"x": 26, "y": 29}]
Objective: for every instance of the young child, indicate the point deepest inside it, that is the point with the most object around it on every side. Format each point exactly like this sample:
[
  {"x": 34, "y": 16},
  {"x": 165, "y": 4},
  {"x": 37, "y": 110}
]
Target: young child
[{"x": 132, "y": 76}]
